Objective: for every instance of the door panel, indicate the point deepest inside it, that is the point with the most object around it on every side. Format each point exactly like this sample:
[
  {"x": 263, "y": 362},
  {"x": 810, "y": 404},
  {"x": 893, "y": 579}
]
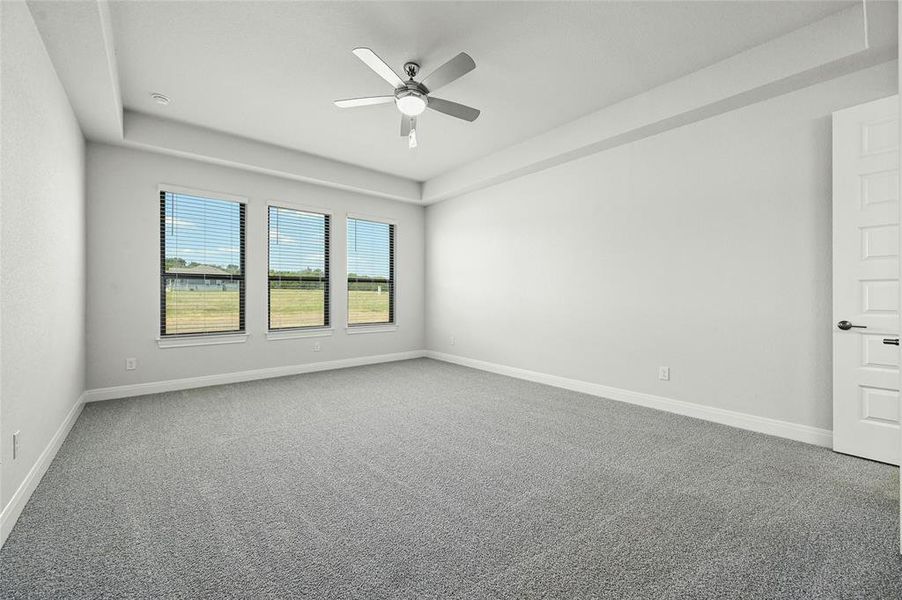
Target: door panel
[{"x": 866, "y": 400}]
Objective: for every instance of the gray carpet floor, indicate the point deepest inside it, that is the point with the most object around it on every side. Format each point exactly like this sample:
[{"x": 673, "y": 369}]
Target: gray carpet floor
[{"x": 420, "y": 479}]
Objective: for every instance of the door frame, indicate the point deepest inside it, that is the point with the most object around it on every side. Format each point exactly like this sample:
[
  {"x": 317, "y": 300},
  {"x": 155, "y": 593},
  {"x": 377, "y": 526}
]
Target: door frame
[{"x": 899, "y": 51}]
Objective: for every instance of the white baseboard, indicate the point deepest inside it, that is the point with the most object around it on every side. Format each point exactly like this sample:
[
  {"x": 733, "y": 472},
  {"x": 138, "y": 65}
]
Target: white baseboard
[
  {"x": 13, "y": 508},
  {"x": 784, "y": 429},
  {"x": 156, "y": 387}
]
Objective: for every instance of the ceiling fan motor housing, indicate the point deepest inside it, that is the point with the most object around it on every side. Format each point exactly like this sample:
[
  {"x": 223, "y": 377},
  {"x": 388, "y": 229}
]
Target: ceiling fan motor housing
[{"x": 411, "y": 68}]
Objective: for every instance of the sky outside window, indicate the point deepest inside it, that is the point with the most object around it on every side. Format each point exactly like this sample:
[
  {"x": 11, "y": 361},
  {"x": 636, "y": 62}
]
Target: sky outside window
[{"x": 368, "y": 249}]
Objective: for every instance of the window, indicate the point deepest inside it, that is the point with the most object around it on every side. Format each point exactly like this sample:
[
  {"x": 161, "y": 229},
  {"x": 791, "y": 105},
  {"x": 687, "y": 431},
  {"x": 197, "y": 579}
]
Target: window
[
  {"x": 298, "y": 269},
  {"x": 201, "y": 265},
  {"x": 371, "y": 272}
]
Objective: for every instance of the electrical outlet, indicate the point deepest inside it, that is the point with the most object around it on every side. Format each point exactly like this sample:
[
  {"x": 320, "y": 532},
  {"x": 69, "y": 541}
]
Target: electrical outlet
[
  {"x": 131, "y": 364},
  {"x": 453, "y": 340},
  {"x": 16, "y": 446},
  {"x": 316, "y": 346},
  {"x": 664, "y": 373}
]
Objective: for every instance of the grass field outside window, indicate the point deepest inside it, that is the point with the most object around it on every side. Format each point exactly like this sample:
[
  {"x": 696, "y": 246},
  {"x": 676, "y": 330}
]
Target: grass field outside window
[{"x": 218, "y": 310}]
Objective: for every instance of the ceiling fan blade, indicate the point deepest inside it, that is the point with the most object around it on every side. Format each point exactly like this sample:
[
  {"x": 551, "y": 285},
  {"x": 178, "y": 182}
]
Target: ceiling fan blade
[
  {"x": 461, "y": 111},
  {"x": 352, "y": 102},
  {"x": 458, "y": 66},
  {"x": 407, "y": 123},
  {"x": 379, "y": 66}
]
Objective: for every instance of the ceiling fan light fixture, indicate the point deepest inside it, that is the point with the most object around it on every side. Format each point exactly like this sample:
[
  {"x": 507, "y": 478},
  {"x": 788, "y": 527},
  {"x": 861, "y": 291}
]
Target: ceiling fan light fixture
[
  {"x": 411, "y": 104},
  {"x": 413, "y": 97}
]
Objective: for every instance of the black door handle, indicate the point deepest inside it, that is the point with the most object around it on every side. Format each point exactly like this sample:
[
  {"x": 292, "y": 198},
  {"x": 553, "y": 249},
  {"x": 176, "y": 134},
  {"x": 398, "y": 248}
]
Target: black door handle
[
  {"x": 847, "y": 325},
  {"x": 891, "y": 341}
]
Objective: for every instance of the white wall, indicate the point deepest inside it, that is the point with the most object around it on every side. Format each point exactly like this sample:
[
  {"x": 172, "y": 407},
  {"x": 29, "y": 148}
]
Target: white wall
[
  {"x": 123, "y": 270},
  {"x": 705, "y": 248},
  {"x": 42, "y": 257}
]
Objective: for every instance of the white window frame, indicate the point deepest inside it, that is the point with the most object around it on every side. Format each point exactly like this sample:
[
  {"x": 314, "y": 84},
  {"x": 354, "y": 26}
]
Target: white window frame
[
  {"x": 373, "y": 327},
  {"x": 303, "y": 332},
  {"x": 207, "y": 339}
]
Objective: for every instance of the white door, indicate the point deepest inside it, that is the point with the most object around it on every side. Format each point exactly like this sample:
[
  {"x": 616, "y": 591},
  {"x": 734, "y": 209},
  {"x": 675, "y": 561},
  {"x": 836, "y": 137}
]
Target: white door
[{"x": 866, "y": 295}]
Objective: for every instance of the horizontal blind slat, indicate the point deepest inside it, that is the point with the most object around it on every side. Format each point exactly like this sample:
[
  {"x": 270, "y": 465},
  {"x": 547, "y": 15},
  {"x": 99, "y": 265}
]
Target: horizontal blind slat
[
  {"x": 202, "y": 264},
  {"x": 298, "y": 294},
  {"x": 370, "y": 251}
]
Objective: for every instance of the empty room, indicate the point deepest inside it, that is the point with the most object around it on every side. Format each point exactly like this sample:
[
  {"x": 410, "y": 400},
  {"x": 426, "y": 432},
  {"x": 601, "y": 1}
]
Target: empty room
[{"x": 424, "y": 300}]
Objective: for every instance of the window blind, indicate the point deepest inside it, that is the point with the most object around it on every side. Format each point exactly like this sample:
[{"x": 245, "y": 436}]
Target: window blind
[
  {"x": 201, "y": 265},
  {"x": 371, "y": 272},
  {"x": 298, "y": 269}
]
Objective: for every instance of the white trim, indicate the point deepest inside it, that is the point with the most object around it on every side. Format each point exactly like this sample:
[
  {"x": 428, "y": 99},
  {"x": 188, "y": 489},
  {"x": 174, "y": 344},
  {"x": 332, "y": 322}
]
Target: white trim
[
  {"x": 330, "y": 237},
  {"x": 183, "y": 341},
  {"x": 394, "y": 281},
  {"x": 784, "y": 429},
  {"x": 355, "y": 329},
  {"x": 208, "y": 194},
  {"x": 13, "y": 508},
  {"x": 204, "y": 339},
  {"x": 298, "y": 207},
  {"x": 293, "y": 334},
  {"x": 156, "y": 387},
  {"x": 370, "y": 218}
]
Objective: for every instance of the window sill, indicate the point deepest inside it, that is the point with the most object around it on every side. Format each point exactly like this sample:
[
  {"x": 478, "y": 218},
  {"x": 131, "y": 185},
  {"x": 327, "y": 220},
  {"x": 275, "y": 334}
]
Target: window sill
[
  {"x": 293, "y": 334},
  {"x": 201, "y": 340},
  {"x": 355, "y": 329}
]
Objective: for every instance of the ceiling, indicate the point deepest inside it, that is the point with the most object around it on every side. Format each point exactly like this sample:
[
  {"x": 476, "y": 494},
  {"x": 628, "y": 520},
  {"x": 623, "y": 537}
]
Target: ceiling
[{"x": 270, "y": 70}]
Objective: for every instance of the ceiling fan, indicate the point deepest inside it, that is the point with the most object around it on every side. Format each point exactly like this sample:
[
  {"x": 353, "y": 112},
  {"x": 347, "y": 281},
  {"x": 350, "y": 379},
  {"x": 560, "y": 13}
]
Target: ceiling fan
[{"x": 413, "y": 97}]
